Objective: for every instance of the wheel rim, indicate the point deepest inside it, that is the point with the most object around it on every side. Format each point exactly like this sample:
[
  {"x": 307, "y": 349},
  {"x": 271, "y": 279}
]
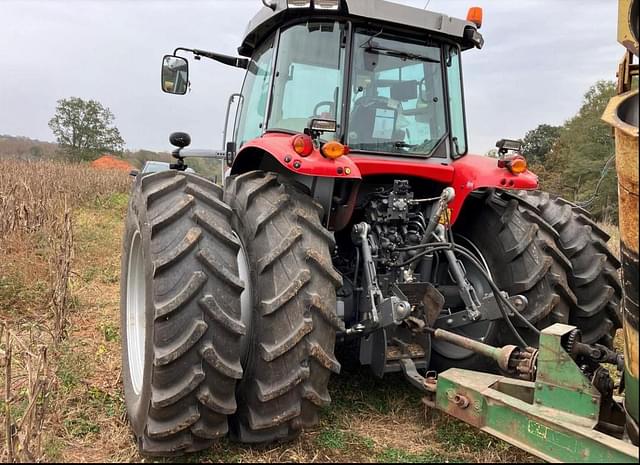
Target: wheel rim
[
  {"x": 478, "y": 331},
  {"x": 246, "y": 299},
  {"x": 136, "y": 318}
]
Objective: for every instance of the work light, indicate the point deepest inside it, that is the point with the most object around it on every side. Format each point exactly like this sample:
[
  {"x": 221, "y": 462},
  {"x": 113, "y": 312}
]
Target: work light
[
  {"x": 323, "y": 125},
  {"x": 299, "y": 3},
  {"x": 326, "y": 4},
  {"x": 318, "y": 4}
]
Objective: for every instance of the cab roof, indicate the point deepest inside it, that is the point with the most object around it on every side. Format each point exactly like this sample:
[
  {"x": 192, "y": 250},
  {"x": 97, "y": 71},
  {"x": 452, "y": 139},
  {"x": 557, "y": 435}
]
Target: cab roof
[{"x": 368, "y": 11}]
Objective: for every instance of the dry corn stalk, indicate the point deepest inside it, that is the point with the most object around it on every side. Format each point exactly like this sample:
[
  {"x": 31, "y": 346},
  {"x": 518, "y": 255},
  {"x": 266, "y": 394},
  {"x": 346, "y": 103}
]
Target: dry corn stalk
[
  {"x": 26, "y": 385},
  {"x": 61, "y": 270}
]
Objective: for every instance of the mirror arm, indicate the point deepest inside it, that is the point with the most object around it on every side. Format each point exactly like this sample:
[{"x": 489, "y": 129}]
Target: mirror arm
[{"x": 224, "y": 59}]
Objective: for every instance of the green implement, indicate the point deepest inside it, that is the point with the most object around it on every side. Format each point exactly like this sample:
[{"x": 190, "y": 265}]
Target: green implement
[{"x": 560, "y": 416}]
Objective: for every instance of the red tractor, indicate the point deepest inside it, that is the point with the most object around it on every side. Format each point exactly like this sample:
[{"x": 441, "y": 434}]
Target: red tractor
[{"x": 351, "y": 215}]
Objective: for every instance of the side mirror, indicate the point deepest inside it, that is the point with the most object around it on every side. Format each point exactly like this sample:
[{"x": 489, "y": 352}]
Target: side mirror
[
  {"x": 180, "y": 139},
  {"x": 133, "y": 173},
  {"x": 175, "y": 75}
]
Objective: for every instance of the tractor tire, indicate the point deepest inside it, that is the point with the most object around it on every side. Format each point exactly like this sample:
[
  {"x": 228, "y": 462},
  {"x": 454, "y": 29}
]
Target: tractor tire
[
  {"x": 594, "y": 277},
  {"x": 291, "y": 351},
  {"x": 520, "y": 250},
  {"x": 180, "y": 313}
]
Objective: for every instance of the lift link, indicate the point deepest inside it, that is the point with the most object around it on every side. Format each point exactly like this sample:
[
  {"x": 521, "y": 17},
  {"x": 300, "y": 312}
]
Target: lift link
[
  {"x": 384, "y": 311},
  {"x": 467, "y": 291}
]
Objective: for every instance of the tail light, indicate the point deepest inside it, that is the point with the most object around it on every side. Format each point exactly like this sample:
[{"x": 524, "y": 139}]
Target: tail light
[
  {"x": 334, "y": 150},
  {"x": 516, "y": 164},
  {"x": 303, "y": 145}
]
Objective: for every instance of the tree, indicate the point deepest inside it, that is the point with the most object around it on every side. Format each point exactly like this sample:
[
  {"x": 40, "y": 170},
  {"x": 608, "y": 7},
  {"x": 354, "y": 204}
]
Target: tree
[
  {"x": 538, "y": 142},
  {"x": 36, "y": 151},
  {"x": 84, "y": 129},
  {"x": 580, "y": 166},
  {"x": 493, "y": 153}
]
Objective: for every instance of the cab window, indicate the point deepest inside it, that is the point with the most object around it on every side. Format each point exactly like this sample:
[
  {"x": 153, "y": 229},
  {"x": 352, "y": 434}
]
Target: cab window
[
  {"x": 255, "y": 93},
  {"x": 397, "y": 103},
  {"x": 309, "y": 76}
]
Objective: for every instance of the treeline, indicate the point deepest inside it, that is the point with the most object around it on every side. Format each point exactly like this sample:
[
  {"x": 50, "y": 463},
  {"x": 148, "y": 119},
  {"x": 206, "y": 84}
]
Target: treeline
[
  {"x": 34, "y": 150},
  {"x": 25, "y": 148},
  {"x": 577, "y": 160}
]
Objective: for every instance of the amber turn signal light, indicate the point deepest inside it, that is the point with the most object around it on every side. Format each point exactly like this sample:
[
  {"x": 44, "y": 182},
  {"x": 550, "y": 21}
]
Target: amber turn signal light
[
  {"x": 517, "y": 165},
  {"x": 475, "y": 16},
  {"x": 334, "y": 150},
  {"x": 303, "y": 145}
]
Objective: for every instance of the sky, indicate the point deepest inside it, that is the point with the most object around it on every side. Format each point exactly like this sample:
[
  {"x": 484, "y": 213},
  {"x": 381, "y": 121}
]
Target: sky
[{"x": 539, "y": 59}]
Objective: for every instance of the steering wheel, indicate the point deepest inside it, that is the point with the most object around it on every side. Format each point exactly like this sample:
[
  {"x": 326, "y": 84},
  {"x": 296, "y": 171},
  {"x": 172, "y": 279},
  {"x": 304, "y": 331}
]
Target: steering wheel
[
  {"x": 360, "y": 128},
  {"x": 332, "y": 107},
  {"x": 365, "y": 102}
]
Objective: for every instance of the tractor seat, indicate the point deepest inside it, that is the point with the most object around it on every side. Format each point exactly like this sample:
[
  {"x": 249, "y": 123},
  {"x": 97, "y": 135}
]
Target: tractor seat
[{"x": 363, "y": 120}]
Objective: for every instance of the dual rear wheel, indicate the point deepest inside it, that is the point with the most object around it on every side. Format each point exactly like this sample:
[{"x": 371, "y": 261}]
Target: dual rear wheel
[{"x": 225, "y": 332}]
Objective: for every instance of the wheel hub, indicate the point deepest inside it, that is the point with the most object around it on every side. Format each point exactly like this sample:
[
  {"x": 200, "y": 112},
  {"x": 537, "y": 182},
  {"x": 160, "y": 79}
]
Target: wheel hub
[
  {"x": 136, "y": 318},
  {"x": 246, "y": 299},
  {"x": 474, "y": 330}
]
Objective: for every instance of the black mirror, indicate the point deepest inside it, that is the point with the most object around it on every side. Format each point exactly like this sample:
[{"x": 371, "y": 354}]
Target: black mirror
[
  {"x": 133, "y": 173},
  {"x": 180, "y": 139},
  {"x": 175, "y": 75}
]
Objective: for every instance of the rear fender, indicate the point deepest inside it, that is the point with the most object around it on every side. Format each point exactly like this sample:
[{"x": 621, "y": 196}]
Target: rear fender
[
  {"x": 475, "y": 172},
  {"x": 277, "y": 147},
  {"x": 322, "y": 176}
]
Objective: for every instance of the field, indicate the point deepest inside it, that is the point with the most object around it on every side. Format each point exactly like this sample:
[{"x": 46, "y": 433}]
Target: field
[{"x": 60, "y": 234}]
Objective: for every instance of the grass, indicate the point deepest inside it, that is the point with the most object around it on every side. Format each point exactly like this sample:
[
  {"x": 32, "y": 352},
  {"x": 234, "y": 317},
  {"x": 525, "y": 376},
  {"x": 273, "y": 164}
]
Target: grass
[
  {"x": 90, "y": 399},
  {"x": 80, "y": 426},
  {"x": 53, "y": 449},
  {"x": 72, "y": 369},
  {"x": 332, "y": 439},
  {"x": 392, "y": 455},
  {"x": 111, "y": 332}
]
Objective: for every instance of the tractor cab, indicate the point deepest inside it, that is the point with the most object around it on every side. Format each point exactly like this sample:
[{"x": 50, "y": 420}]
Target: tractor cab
[{"x": 388, "y": 76}]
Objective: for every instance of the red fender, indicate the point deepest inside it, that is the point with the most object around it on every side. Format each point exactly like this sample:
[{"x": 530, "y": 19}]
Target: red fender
[
  {"x": 476, "y": 172},
  {"x": 280, "y": 147}
]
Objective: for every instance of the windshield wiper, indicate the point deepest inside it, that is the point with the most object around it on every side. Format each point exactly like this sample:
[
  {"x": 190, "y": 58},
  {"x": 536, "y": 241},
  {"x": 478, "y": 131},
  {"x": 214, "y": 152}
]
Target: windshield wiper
[
  {"x": 403, "y": 145},
  {"x": 401, "y": 54}
]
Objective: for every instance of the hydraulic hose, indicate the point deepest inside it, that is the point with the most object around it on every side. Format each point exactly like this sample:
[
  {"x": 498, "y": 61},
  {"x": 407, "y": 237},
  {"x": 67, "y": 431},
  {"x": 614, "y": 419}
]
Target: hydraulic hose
[{"x": 500, "y": 299}]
